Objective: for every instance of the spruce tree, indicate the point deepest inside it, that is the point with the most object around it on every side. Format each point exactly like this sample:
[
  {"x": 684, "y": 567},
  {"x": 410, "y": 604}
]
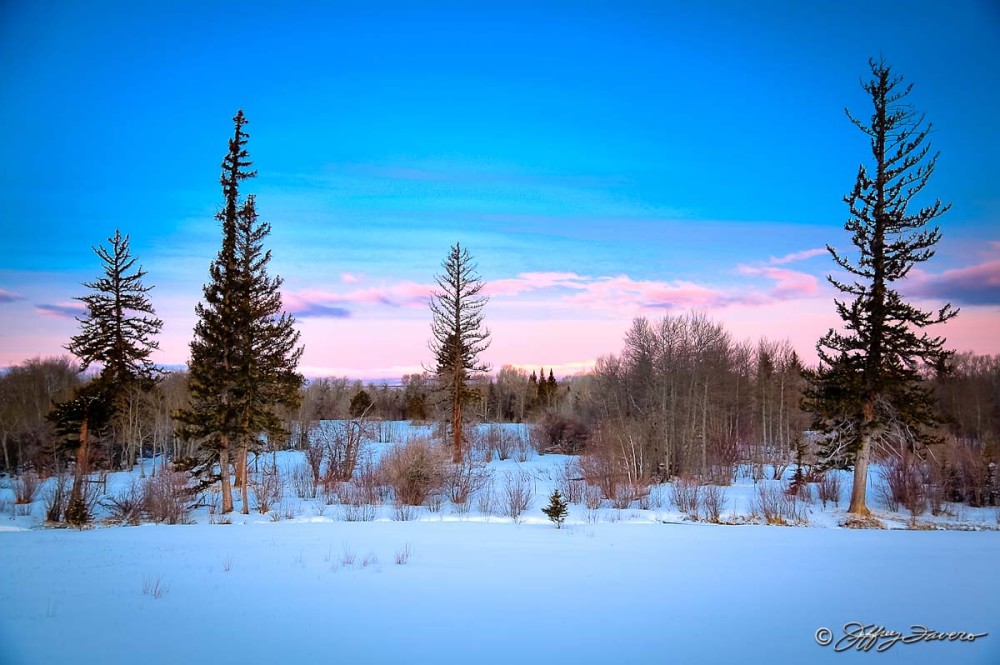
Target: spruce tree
[
  {"x": 557, "y": 510},
  {"x": 244, "y": 353},
  {"x": 117, "y": 332},
  {"x": 458, "y": 334},
  {"x": 867, "y": 390}
]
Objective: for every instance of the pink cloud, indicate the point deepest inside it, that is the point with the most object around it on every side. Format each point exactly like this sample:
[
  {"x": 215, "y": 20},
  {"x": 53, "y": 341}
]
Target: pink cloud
[
  {"x": 790, "y": 283},
  {"x": 977, "y": 284},
  {"x": 320, "y": 303},
  {"x": 9, "y": 296},
  {"x": 350, "y": 278},
  {"x": 534, "y": 281},
  {"x": 797, "y": 256},
  {"x": 63, "y": 310}
]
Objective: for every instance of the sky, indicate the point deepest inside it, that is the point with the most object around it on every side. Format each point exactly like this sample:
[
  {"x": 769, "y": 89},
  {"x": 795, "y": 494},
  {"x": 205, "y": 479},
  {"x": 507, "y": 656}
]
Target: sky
[{"x": 601, "y": 161}]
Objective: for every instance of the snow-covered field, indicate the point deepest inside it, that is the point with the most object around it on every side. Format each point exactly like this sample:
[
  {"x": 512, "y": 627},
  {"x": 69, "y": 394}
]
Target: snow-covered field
[{"x": 612, "y": 586}]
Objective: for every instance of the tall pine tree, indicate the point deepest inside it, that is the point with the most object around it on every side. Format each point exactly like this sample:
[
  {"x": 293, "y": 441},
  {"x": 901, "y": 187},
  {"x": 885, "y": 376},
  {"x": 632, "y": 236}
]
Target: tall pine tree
[
  {"x": 118, "y": 332},
  {"x": 244, "y": 353},
  {"x": 458, "y": 334},
  {"x": 867, "y": 391}
]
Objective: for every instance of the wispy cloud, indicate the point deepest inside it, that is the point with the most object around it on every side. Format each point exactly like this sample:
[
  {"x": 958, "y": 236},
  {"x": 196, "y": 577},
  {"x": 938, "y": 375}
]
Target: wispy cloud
[
  {"x": 977, "y": 284},
  {"x": 9, "y": 296},
  {"x": 797, "y": 256},
  {"x": 789, "y": 284},
  {"x": 63, "y": 310},
  {"x": 319, "y": 303}
]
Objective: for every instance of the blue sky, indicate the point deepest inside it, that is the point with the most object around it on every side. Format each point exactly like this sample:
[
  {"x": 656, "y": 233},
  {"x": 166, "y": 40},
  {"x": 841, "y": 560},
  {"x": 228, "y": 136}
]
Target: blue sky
[{"x": 600, "y": 160}]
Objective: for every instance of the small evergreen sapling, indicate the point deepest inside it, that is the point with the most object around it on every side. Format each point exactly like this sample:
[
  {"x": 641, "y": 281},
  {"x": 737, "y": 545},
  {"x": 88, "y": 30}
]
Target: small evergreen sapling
[{"x": 557, "y": 509}]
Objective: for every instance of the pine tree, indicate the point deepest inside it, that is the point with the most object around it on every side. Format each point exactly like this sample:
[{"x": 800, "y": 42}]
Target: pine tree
[
  {"x": 458, "y": 334},
  {"x": 244, "y": 353},
  {"x": 557, "y": 510},
  {"x": 551, "y": 388},
  {"x": 118, "y": 332},
  {"x": 867, "y": 390}
]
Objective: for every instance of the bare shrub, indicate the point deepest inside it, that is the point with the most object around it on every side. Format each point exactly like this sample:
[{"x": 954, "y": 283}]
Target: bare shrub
[
  {"x": 404, "y": 512},
  {"x": 5, "y": 504},
  {"x": 414, "y": 470},
  {"x": 315, "y": 452},
  {"x": 303, "y": 483},
  {"x": 828, "y": 488},
  {"x": 81, "y": 500},
  {"x": 777, "y": 506},
  {"x": 355, "y": 504},
  {"x": 348, "y": 557},
  {"x": 516, "y": 494},
  {"x": 686, "y": 495},
  {"x": 154, "y": 587},
  {"x": 462, "y": 480},
  {"x": 713, "y": 499},
  {"x": 592, "y": 497},
  {"x": 570, "y": 481},
  {"x": 267, "y": 488},
  {"x": 486, "y": 502},
  {"x": 556, "y": 433},
  {"x": 403, "y": 555},
  {"x": 26, "y": 487},
  {"x": 651, "y": 498},
  {"x": 127, "y": 506},
  {"x": 368, "y": 479},
  {"x": 166, "y": 497},
  {"x": 902, "y": 484},
  {"x": 343, "y": 442},
  {"x": 522, "y": 446},
  {"x": 614, "y": 457},
  {"x": 500, "y": 442}
]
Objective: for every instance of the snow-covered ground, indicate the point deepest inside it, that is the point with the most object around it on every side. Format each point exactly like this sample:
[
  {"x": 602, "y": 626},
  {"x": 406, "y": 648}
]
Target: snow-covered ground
[{"x": 612, "y": 586}]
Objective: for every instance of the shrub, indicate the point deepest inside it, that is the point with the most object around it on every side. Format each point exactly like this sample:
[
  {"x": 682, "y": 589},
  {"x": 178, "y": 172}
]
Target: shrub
[
  {"x": 26, "y": 487},
  {"x": 166, "y": 497},
  {"x": 462, "y": 480},
  {"x": 828, "y": 488},
  {"x": 686, "y": 495},
  {"x": 486, "y": 500},
  {"x": 56, "y": 496},
  {"x": 777, "y": 506},
  {"x": 556, "y": 433},
  {"x": 267, "y": 488},
  {"x": 713, "y": 498},
  {"x": 902, "y": 484},
  {"x": 592, "y": 497},
  {"x": 303, "y": 483},
  {"x": 126, "y": 507},
  {"x": 414, "y": 470},
  {"x": 516, "y": 494},
  {"x": 570, "y": 481}
]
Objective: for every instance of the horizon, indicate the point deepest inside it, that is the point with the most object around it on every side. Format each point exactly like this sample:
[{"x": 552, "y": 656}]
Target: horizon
[{"x": 600, "y": 163}]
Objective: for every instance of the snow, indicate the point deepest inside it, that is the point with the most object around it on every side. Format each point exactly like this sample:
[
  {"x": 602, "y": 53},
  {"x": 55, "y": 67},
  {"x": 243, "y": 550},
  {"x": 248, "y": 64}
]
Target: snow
[{"x": 630, "y": 586}]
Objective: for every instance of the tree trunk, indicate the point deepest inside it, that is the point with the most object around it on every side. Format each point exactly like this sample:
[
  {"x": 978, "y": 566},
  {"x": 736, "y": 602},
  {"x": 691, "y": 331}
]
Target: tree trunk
[
  {"x": 227, "y": 492},
  {"x": 859, "y": 489},
  {"x": 456, "y": 427},
  {"x": 244, "y": 492},
  {"x": 81, "y": 465}
]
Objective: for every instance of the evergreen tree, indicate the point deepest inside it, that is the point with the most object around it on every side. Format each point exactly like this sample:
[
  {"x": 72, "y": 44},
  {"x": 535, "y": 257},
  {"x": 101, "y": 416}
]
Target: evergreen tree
[
  {"x": 867, "y": 390},
  {"x": 244, "y": 353},
  {"x": 458, "y": 334},
  {"x": 360, "y": 404},
  {"x": 557, "y": 510},
  {"x": 551, "y": 388},
  {"x": 118, "y": 332}
]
